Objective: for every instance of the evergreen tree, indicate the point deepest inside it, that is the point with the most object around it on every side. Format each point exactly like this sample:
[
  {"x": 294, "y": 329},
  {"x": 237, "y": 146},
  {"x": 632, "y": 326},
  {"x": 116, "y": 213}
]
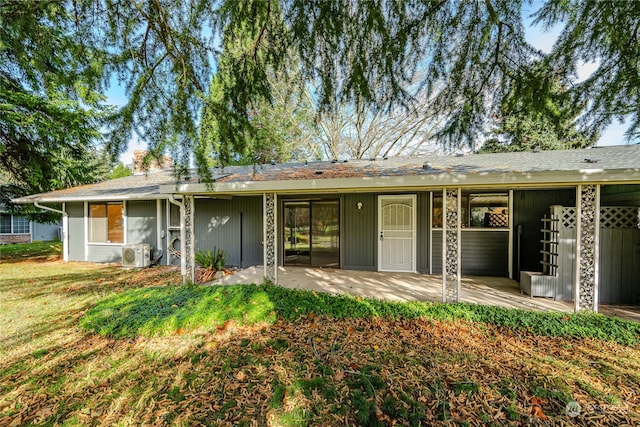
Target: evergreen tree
[
  {"x": 607, "y": 32},
  {"x": 120, "y": 171},
  {"x": 471, "y": 54},
  {"x": 538, "y": 114},
  {"x": 50, "y": 113}
]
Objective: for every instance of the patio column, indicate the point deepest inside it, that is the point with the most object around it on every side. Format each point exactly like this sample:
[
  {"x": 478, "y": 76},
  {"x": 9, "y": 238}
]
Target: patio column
[
  {"x": 587, "y": 247},
  {"x": 270, "y": 237},
  {"x": 189, "y": 255},
  {"x": 451, "y": 244}
]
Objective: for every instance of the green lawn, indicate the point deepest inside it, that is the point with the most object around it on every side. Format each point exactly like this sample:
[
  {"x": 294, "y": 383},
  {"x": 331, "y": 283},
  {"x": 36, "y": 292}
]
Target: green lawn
[
  {"x": 21, "y": 251},
  {"x": 86, "y": 344}
]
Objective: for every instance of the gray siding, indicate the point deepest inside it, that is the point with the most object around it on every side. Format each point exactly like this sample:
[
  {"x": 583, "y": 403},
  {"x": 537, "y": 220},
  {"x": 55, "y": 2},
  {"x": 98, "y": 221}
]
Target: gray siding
[
  {"x": 620, "y": 195},
  {"x": 619, "y": 278},
  {"x": 142, "y": 223},
  {"x": 234, "y": 226},
  {"x": 360, "y": 231},
  {"x": 358, "y": 239},
  {"x": 619, "y": 269},
  {"x": 164, "y": 231},
  {"x": 529, "y": 207},
  {"x": 104, "y": 253},
  {"x": 252, "y": 234},
  {"x": 422, "y": 220},
  {"x": 436, "y": 248},
  {"x": 484, "y": 253},
  {"x": 76, "y": 231},
  {"x": 44, "y": 232},
  {"x": 619, "y": 266}
]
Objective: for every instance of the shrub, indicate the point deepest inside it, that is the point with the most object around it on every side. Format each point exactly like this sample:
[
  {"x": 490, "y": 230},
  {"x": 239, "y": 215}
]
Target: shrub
[{"x": 211, "y": 260}]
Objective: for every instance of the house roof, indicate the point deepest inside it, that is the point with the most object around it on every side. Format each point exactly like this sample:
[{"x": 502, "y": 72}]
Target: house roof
[
  {"x": 145, "y": 186},
  {"x": 618, "y": 157},
  {"x": 545, "y": 168},
  {"x": 594, "y": 165}
]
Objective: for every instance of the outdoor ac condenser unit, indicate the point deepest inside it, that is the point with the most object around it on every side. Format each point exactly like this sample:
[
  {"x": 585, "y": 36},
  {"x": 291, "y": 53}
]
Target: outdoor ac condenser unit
[{"x": 138, "y": 255}]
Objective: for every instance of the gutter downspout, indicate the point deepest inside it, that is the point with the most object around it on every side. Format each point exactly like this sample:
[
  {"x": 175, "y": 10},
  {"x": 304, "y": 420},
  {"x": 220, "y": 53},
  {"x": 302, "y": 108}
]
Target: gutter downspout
[
  {"x": 183, "y": 238},
  {"x": 65, "y": 227}
]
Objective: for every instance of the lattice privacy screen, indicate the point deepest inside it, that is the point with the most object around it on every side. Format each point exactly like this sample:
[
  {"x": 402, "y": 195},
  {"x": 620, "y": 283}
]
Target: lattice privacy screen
[
  {"x": 496, "y": 220},
  {"x": 611, "y": 217},
  {"x": 568, "y": 218},
  {"x": 619, "y": 217}
]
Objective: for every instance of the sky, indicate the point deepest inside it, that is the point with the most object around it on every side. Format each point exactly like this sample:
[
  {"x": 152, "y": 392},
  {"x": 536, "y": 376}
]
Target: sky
[
  {"x": 116, "y": 96},
  {"x": 539, "y": 38},
  {"x": 544, "y": 40}
]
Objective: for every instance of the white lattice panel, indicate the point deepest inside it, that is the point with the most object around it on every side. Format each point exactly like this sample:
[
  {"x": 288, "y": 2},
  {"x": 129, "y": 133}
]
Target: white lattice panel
[
  {"x": 568, "y": 218},
  {"x": 611, "y": 217},
  {"x": 618, "y": 217}
]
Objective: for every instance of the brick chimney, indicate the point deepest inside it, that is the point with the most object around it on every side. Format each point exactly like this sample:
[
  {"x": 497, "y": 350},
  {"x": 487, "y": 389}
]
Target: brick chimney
[{"x": 141, "y": 166}]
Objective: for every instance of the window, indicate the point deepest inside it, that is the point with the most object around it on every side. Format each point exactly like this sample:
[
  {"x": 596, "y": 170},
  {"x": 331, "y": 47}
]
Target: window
[
  {"x": 477, "y": 211},
  {"x": 105, "y": 223},
  {"x": 5, "y": 224},
  {"x": 489, "y": 210},
  {"x": 20, "y": 225},
  {"x": 174, "y": 216},
  {"x": 437, "y": 211},
  {"x": 14, "y": 224}
]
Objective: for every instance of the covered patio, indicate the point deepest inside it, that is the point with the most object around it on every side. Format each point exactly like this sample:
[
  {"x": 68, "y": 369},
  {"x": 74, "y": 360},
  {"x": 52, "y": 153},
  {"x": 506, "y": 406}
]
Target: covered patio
[{"x": 497, "y": 291}]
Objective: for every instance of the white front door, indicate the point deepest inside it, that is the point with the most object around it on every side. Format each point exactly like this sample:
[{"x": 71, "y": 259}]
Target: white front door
[{"x": 397, "y": 233}]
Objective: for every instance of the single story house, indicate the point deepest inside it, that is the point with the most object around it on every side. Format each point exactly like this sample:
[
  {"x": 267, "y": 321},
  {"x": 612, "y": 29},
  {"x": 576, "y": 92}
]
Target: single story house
[
  {"x": 19, "y": 229},
  {"x": 566, "y": 224}
]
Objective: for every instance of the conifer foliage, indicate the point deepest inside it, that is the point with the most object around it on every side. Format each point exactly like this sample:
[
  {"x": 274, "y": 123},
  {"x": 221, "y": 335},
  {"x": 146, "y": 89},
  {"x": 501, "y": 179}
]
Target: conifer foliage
[{"x": 470, "y": 54}]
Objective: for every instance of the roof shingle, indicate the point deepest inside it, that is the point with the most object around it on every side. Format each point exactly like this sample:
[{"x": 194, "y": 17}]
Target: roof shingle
[{"x": 624, "y": 157}]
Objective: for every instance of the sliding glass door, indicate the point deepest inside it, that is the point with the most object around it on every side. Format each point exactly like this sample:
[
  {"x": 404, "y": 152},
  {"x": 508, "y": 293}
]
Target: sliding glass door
[
  {"x": 312, "y": 233},
  {"x": 325, "y": 234},
  {"x": 297, "y": 233}
]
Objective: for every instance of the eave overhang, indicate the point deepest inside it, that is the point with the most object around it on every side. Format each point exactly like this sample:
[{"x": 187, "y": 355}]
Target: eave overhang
[
  {"x": 98, "y": 198},
  {"x": 511, "y": 179}
]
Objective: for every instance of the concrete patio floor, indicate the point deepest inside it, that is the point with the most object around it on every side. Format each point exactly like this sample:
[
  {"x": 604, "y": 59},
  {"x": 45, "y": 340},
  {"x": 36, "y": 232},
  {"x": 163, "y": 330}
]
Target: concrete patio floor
[{"x": 497, "y": 291}]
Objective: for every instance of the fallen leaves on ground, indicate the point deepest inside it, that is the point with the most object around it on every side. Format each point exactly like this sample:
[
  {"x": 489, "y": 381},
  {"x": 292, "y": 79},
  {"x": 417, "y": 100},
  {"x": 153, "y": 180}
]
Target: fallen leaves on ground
[
  {"x": 321, "y": 372},
  {"x": 312, "y": 371}
]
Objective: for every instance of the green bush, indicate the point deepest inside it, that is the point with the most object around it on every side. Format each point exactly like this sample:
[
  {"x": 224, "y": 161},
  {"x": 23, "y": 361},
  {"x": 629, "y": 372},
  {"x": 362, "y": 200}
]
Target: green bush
[{"x": 211, "y": 260}]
